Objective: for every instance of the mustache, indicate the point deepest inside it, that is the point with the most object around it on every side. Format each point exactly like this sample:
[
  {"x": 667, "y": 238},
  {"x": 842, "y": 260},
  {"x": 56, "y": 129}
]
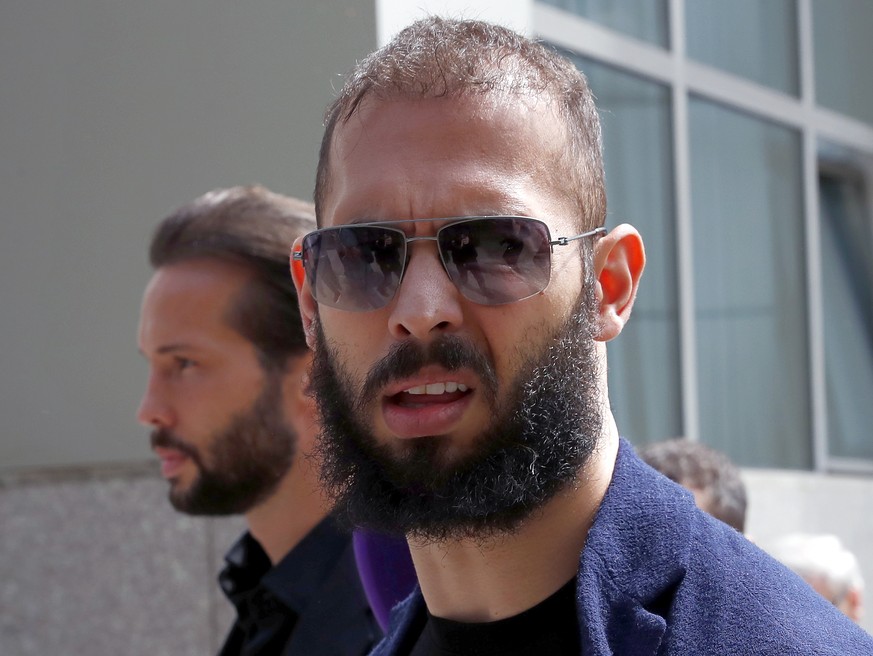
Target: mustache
[
  {"x": 449, "y": 352},
  {"x": 161, "y": 437}
]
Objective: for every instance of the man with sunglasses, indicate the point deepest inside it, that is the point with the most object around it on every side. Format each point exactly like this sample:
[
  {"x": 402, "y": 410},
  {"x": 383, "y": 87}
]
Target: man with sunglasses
[{"x": 463, "y": 394}]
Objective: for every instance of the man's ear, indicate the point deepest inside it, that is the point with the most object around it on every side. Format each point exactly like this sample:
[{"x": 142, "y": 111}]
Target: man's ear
[
  {"x": 300, "y": 408},
  {"x": 619, "y": 259},
  {"x": 308, "y": 306}
]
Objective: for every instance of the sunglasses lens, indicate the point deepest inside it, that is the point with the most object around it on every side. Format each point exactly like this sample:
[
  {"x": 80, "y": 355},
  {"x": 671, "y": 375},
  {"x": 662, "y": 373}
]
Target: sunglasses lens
[
  {"x": 354, "y": 268},
  {"x": 497, "y": 260}
]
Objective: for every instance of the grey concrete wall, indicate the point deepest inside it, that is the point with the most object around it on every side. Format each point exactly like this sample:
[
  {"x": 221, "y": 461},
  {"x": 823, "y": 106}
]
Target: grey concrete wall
[
  {"x": 783, "y": 502},
  {"x": 113, "y": 114},
  {"x": 96, "y": 562}
]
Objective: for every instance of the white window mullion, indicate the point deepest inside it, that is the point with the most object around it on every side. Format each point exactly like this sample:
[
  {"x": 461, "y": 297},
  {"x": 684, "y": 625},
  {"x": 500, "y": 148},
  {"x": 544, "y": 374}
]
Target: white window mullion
[
  {"x": 815, "y": 317},
  {"x": 684, "y": 237},
  {"x": 586, "y": 38}
]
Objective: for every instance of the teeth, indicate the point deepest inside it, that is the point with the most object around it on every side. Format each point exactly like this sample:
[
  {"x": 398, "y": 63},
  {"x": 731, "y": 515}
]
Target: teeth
[{"x": 437, "y": 388}]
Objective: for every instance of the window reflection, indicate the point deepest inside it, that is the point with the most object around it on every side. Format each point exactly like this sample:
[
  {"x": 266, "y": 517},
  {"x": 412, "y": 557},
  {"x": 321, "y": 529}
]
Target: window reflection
[
  {"x": 645, "y": 20},
  {"x": 847, "y": 281},
  {"x": 749, "y": 287}
]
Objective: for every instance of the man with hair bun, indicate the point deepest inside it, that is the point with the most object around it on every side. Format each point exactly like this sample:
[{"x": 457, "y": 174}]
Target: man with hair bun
[{"x": 233, "y": 426}]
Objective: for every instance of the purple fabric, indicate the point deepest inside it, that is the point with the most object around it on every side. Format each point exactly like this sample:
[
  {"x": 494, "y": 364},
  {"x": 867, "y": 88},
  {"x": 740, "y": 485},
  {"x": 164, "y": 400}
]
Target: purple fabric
[{"x": 386, "y": 570}]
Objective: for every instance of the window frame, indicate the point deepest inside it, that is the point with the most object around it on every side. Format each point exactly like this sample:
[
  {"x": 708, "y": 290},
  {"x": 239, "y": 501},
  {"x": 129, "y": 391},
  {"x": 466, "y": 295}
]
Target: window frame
[{"x": 685, "y": 77}]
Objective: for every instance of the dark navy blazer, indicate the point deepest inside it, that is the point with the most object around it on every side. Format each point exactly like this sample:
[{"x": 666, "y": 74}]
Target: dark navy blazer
[{"x": 658, "y": 576}]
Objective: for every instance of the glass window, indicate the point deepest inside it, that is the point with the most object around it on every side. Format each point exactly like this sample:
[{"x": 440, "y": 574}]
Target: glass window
[
  {"x": 644, "y": 371},
  {"x": 749, "y": 287},
  {"x": 756, "y": 39},
  {"x": 843, "y": 51},
  {"x": 642, "y": 19},
  {"x": 847, "y": 280}
]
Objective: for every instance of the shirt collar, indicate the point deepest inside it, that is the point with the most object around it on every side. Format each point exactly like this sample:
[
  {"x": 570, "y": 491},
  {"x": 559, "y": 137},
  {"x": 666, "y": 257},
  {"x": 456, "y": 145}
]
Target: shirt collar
[{"x": 295, "y": 579}]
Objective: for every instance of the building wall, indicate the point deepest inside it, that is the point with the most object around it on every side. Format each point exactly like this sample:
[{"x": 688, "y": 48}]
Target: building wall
[
  {"x": 782, "y": 502},
  {"x": 95, "y": 561},
  {"x": 113, "y": 115}
]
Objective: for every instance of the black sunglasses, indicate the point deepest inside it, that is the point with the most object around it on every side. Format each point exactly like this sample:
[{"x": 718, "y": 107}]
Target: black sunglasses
[{"x": 492, "y": 260}]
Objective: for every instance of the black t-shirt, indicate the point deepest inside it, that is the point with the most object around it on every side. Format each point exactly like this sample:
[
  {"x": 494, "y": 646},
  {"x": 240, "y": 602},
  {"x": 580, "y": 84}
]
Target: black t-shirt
[{"x": 551, "y": 627}]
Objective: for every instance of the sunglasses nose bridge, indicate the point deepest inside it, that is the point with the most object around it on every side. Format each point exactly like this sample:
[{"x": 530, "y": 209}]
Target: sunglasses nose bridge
[
  {"x": 410, "y": 240},
  {"x": 433, "y": 238}
]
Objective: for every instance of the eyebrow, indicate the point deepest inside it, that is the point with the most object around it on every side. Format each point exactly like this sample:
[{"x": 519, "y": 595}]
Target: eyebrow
[{"x": 170, "y": 349}]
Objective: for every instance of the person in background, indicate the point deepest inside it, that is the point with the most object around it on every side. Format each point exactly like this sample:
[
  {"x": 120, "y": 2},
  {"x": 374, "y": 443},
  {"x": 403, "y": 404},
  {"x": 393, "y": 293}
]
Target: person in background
[
  {"x": 233, "y": 426},
  {"x": 822, "y": 561},
  {"x": 709, "y": 474},
  {"x": 463, "y": 392}
]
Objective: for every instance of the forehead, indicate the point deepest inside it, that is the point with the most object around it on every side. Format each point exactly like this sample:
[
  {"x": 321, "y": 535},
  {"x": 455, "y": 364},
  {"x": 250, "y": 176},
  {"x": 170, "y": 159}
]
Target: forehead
[
  {"x": 189, "y": 301},
  {"x": 403, "y": 159}
]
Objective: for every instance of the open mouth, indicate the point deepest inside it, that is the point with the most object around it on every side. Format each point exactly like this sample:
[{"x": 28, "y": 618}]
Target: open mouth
[
  {"x": 426, "y": 409},
  {"x": 422, "y": 395}
]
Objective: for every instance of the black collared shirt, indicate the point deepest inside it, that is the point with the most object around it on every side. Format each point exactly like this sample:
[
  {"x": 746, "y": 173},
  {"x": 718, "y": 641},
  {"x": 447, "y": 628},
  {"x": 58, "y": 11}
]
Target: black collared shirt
[{"x": 270, "y": 600}]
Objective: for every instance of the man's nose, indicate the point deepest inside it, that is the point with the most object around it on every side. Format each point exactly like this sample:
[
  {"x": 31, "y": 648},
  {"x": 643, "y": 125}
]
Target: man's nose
[
  {"x": 154, "y": 410},
  {"x": 427, "y": 303}
]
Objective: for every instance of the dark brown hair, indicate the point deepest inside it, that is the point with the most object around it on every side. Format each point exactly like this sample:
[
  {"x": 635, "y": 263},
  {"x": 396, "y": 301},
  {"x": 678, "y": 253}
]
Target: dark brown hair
[
  {"x": 697, "y": 466},
  {"x": 252, "y": 227},
  {"x": 437, "y": 57}
]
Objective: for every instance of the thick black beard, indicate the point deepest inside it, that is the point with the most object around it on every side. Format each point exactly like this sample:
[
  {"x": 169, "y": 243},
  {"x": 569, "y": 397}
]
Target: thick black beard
[
  {"x": 543, "y": 434},
  {"x": 246, "y": 459}
]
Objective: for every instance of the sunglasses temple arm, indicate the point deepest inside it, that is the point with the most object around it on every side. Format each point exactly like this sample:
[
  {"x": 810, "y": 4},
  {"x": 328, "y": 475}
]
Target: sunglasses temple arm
[{"x": 564, "y": 241}]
